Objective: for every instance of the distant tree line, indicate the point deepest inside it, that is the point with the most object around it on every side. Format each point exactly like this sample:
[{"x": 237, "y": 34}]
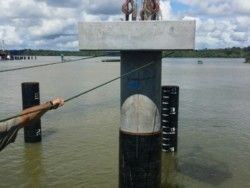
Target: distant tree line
[
  {"x": 213, "y": 53},
  {"x": 205, "y": 53},
  {"x": 30, "y": 52}
]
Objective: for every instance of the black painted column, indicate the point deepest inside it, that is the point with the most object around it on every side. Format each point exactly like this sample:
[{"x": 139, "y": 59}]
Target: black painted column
[
  {"x": 169, "y": 112},
  {"x": 140, "y": 131},
  {"x": 31, "y": 97}
]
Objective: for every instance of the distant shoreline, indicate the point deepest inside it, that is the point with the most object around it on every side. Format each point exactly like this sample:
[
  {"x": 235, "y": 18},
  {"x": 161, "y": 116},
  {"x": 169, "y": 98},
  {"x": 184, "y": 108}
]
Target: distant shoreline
[
  {"x": 213, "y": 53},
  {"x": 205, "y": 53}
]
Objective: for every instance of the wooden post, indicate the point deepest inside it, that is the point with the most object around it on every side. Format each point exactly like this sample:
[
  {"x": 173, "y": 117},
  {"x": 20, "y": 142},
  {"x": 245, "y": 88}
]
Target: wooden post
[
  {"x": 140, "y": 131},
  {"x": 62, "y": 58},
  {"x": 31, "y": 97}
]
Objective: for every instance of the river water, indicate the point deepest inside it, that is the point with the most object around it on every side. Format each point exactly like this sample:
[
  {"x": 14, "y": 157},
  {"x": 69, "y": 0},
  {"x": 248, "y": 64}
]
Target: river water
[{"x": 80, "y": 140}]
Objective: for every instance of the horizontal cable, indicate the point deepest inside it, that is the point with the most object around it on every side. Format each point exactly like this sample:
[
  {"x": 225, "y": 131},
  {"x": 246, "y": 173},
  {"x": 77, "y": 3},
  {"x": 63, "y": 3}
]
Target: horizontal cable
[
  {"x": 82, "y": 93},
  {"x": 48, "y": 64},
  {"x": 88, "y": 91}
]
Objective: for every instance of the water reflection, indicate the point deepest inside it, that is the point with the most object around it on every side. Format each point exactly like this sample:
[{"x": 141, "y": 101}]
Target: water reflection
[
  {"x": 33, "y": 170},
  {"x": 197, "y": 165},
  {"x": 214, "y": 116},
  {"x": 169, "y": 171},
  {"x": 204, "y": 168},
  {"x": 47, "y": 133},
  {"x": 211, "y": 174}
]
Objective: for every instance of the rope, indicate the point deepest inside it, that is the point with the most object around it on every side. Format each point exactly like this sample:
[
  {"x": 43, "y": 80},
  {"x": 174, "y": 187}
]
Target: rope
[
  {"x": 125, "y": 7},
  {"x": 150, "y": 9},
  {"x": 87, "y": 91},
  {"x": 83, "y": 93},
  {"x": 44, "y": 65},
  {"x": 108, "y": 82}
]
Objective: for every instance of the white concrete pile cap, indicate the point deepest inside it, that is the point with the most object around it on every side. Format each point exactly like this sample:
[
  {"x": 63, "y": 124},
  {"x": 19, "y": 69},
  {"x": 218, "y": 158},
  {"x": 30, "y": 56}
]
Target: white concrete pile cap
[{"x": 137, "y": 35}]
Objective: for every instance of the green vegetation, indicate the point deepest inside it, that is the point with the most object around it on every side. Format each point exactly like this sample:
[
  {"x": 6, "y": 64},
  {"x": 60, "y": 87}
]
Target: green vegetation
[
  {"x": 247, "y": 58},
  {"x": 213, "y": 53},
  {"x": 30, "y": 52},
  {"x": 206, "y": 53}
]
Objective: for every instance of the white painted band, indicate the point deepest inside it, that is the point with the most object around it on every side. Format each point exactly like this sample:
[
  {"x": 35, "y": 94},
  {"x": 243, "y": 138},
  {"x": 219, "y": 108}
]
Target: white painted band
[{"x": 139, "y": 114}]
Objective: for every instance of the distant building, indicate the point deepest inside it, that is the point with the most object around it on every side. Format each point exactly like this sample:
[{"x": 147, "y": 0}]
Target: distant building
[{"x": 3, "y": 55}]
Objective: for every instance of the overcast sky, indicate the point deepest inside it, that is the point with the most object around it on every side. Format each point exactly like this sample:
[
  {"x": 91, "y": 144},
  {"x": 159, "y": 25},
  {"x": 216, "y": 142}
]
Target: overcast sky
[{"x": 52, "y": 24}]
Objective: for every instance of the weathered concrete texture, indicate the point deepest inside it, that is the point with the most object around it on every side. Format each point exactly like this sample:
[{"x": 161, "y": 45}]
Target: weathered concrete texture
[
  {"x": 139, "y": 114},
  {"x": 140, "y": 136},
  {"x": 137, "y": 35}
]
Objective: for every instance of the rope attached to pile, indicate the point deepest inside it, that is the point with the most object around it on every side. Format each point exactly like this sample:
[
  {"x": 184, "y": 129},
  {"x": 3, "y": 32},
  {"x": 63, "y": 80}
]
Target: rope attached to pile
[
  {"x": 88, "y": 91},
  {"x": 85, "y": 92}
]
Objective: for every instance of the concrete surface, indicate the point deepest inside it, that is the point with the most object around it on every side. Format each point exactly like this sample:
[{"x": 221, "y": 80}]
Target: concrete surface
[{"x": 137, "y": 35}]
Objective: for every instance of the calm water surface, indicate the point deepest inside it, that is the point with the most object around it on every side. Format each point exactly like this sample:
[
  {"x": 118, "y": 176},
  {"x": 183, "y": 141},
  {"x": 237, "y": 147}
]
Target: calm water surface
[{"x": 80, "y": 140}]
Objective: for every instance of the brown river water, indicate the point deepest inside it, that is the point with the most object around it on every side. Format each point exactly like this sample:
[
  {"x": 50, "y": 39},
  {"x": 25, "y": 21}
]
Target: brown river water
[{"x": 80, "y": 140}]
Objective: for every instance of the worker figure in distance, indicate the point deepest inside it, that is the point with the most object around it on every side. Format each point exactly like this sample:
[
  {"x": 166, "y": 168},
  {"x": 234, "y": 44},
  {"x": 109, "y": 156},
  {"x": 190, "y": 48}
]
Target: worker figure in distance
[
  {"x": 10, "y": 128},
  {"x": 129, "y": 7},
  {"x": 150, "y": 10}
]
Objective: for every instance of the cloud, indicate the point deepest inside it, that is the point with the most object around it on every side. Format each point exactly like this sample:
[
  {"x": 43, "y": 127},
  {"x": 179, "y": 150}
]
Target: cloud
[
  {"x": 34, "y": 23},
  {"x": 64, "y": 3},
  {"x": 166, "y": 9},
  {"x": 100, "y": 7},
  {"x": 51, "y": 27},
  {"x": 241, "y": 6},
  {"x": 220, "y": 23},
  {"x": 218, "y": 7},
  {"x": 52, "y": 24},
  {"x": 239, "y": 36},
  {"x": 10, "y": 35}
]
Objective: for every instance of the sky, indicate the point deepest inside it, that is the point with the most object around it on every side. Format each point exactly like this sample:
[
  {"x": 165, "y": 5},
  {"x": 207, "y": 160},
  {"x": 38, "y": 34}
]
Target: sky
[{"x": 52, "y": 24}]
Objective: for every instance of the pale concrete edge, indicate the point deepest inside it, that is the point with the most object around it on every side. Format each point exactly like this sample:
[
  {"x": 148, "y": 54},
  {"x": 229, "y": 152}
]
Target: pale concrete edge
[
  {"x": 145, "y": 50},
  {"x": 107, "y": 49},
  {"x": 132, "y": 22}
]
